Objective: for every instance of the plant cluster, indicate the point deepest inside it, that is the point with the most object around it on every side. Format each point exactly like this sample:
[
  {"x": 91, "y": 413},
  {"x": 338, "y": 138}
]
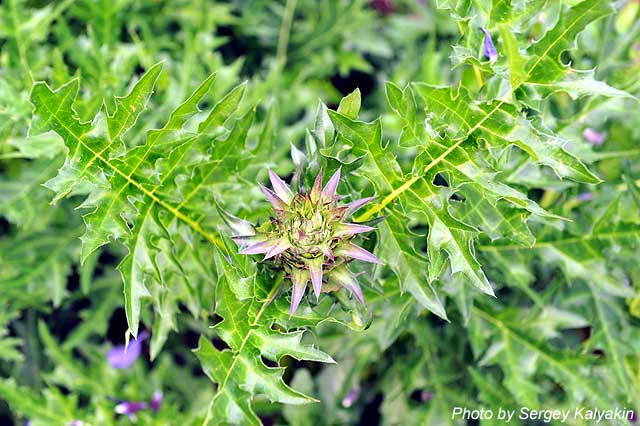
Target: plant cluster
[{"x": 188, "y": 235}]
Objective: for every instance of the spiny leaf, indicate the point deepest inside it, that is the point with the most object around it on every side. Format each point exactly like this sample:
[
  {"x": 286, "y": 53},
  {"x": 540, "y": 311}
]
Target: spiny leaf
[
  {"x": 141, "y": 193},
  {"x": 545, "y": 64},
  {"x": 514, "y": 343},
  {"x": 239, "y": 371},
  {"x": 502, "y": 126}
]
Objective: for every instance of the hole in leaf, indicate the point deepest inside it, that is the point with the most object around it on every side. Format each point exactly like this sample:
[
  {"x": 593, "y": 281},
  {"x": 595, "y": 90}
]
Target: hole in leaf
[
  {"x": 439, "y": 180},
  {"x": 220, "y": 344},
  {"x": 456, "y": 197},
  {"x": 269, "y": 363},
  {"x": 216, "y": 319}
]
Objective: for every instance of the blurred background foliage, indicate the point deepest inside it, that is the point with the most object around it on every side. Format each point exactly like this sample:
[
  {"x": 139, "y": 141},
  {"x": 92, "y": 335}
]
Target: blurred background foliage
[{"x": 58, "y": 318}]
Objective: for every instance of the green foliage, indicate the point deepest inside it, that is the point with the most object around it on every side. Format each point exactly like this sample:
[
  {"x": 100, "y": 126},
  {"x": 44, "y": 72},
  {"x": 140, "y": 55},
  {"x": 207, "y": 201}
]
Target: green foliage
[{"x": 508, "y": 240}]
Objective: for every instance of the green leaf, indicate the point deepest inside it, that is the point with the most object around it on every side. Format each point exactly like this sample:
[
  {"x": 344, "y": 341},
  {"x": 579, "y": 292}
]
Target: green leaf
[
  {"x": 502, "y": 126},
  {"x": 140, "y": 192},
  {"x": 350, "y": 105},
  {"x": 521, "y": 355},
  {"x": 517, "y": 73},
  {"x": 239, "y": 371},
  {"x": 23, "y": 400},
  {"x": 23, "y": 200},
  {"x": 545, "y": 65},
  {"x": 407, "y": 263}
]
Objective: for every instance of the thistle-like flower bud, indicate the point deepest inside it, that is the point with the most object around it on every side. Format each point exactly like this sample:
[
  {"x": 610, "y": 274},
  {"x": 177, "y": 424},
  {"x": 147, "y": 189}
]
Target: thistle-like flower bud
[{"x": 308, "y": 236}]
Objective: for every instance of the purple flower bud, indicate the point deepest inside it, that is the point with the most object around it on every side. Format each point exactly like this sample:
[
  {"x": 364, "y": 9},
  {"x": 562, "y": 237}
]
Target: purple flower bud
[
  {"x": 130, "y": 408},
  {"x": 156, "y": 401},
  {"x": 350, "y": 398},
  {"x": 592, "y": 136},
  {"x": 329, "y": 191},
  {"x": 488, "y": 48},
  {"x": 123, "y": 357},
  {"x": 280, "y": 187},
  {"x": 309, "y": 237},
  {"x": 354, "y": 206},
  {"x": 275, "y": 201},
  {"x": 356, "y": 252}
]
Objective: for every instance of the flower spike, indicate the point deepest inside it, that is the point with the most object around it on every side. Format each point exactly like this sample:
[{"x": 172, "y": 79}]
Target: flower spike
[
  {"x": 356, "y": 252},
  {"x": 316, "y": 190},
  {"x": 329, "y": 191},
  {"x": 276, "y": 202},
  {"x": 281, "y": 189},
  {"x": 356, "y": 205},
  {"x": 351, "y": 229},
  {"x": 299, "y": 280}
]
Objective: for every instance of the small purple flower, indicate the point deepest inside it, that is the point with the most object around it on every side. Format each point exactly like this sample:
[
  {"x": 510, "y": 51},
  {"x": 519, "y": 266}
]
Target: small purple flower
[
  {"x": 350, "y": 398},
  {"x": 384, "y": 7},
  {"x": 123, "y": 357},
  {"x": 156, "y": 401},
  {"x": 130, "y": 408},
  {"x": 26, "y": 422},
  {"x": 426, "y": 396},
  {"x": 633, "y": 418},
  {"x": 488, "y": 48},
  {"x": 75, "y": 423},
  {"x": 585, "y": 196},
  {"x": 592, "y": 136}
]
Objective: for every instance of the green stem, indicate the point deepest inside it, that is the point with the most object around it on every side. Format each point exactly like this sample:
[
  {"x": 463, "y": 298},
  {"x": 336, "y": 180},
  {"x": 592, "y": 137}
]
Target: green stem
[{"x": 285, "y": 31}]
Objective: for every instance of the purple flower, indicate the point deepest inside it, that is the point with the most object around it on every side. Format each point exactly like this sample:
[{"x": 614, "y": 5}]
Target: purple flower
[
  {"x": 156, "y": 401},
  {"x": 123, "y": 357},
  {"x": 488, "y": 48},
  {"x": 384, "y": 7},
  {"x": 350, "y": 398},
  {"x": 130, "y": 408},
  {"x": 75, "y": 423},
  {"x": 585, "y": 196},
  {"x": 633, "y": 418},
  {"x": 592, "y": 136},
  {"x": 426, "y": 396}
]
